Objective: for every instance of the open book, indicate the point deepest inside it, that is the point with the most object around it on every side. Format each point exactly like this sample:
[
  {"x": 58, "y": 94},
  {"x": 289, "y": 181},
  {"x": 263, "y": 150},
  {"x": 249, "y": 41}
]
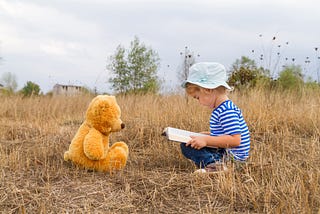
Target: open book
[{"x": 179, "y": 135}]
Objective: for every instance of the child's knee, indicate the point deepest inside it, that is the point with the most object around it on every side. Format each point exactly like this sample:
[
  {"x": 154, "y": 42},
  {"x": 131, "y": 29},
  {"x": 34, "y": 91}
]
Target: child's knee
[
  {"x": 184, "y": 148},
  {"x": 188, "y": 151}
]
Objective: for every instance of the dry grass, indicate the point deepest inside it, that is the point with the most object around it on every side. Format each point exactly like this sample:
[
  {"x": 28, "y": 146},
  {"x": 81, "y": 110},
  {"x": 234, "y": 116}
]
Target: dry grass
[{"x": 282, "y": 175}]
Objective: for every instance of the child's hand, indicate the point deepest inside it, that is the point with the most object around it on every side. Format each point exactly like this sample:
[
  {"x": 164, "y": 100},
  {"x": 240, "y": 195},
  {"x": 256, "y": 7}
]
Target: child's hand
[{"x": 197, "y": 142}]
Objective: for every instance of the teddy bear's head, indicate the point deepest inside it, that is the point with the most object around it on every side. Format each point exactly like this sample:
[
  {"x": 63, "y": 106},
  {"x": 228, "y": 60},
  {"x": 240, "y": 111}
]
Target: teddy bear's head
[{"x": 104, "y": 114}]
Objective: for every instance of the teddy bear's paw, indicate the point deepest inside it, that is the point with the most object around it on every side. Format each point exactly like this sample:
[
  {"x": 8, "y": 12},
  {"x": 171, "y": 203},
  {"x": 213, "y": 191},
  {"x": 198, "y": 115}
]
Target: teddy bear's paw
[
  {"x": 94, "y": 157},
  {"x": 122, "y": 145},
  {"x": 118, "y": 158},
  {"x": 94, "y": 152}
]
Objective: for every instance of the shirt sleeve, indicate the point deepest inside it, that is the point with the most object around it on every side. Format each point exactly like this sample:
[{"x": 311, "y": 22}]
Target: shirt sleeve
[{"x": 230, "y": 122}]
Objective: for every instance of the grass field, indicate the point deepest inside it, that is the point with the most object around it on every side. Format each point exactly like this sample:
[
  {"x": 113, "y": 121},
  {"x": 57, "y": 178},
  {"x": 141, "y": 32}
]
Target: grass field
[{"x": 281, "y": 176}]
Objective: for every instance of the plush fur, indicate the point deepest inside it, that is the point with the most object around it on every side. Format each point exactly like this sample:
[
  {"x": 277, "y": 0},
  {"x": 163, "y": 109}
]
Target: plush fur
[{"x": 89, "y": 148}]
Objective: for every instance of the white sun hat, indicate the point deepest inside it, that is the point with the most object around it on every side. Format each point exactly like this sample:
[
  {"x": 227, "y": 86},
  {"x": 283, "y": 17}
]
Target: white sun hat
[{"x": 208, "y": 75}]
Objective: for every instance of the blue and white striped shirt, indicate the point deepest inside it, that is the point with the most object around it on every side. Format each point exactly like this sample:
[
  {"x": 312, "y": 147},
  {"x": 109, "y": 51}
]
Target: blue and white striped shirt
[{"x": 227, "y": 119}]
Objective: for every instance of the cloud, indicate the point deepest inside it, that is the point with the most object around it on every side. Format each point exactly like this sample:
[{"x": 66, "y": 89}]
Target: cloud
[{"x": 31, "y": 26}]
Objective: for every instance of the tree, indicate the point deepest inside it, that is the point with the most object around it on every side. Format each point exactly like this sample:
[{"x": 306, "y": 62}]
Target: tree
[
  {"x": 30, "y": 89},
  {"x": 135, "y": 70},
  {"x": 245, "y": 73},
  {"x": 291, "y": 77},
  {"x": 9, "y": 82}
]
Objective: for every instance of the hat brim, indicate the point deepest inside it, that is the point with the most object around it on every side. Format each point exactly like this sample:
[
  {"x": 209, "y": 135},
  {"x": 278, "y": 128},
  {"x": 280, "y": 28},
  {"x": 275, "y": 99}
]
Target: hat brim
[{"x": 207, "y": 85}]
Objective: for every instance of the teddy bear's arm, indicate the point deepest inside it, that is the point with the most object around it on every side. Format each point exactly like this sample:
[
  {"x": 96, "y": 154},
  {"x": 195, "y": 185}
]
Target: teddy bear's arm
[{"x": 93, "y": 145}]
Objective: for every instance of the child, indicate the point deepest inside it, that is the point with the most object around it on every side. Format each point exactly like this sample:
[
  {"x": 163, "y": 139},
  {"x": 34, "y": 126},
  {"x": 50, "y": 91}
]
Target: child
[{"x": 229, "y": 133}]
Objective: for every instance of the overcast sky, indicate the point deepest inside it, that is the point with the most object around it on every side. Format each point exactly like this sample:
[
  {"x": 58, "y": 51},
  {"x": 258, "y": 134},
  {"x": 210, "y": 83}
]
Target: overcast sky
[{"x": 69, "y": 41}]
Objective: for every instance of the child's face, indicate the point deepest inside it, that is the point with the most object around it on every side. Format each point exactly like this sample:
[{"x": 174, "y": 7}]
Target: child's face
[{"x": 205, "y": 97}]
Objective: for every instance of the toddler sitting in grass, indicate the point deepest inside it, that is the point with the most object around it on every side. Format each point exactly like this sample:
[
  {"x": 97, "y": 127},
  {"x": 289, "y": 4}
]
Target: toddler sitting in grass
[{"x": 229, "y": 133}]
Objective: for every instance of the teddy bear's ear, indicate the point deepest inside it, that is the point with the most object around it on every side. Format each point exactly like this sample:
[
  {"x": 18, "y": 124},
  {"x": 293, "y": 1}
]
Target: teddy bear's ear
[
  {"x": 112, "y": 98},
  {"x": 109, "y": 100}
]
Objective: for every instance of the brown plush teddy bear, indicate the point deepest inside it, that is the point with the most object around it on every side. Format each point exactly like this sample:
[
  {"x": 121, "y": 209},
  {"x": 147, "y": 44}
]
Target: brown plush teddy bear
[{"x": 89, "y": 148}]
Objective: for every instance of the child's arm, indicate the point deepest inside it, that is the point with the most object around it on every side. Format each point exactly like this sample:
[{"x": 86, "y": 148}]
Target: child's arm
[
  {"x": 223, "y": 141},
  {"x": 205, "y": 132}
]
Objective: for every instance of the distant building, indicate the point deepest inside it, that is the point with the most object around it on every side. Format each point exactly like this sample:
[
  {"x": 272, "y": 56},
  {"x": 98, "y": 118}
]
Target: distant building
[{"x": 67, "y": 90}]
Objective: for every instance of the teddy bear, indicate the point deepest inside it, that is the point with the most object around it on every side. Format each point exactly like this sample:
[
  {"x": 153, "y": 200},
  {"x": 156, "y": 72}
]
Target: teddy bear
[{"x": 90, "y": 149}]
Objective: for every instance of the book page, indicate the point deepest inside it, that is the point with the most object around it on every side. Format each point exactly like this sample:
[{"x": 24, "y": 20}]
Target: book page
[{"x": 180, "y": 135}]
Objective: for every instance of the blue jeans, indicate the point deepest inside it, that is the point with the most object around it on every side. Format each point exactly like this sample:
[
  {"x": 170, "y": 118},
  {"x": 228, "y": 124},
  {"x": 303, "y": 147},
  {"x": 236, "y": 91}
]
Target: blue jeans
[{"x": 203, "y": 157}]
